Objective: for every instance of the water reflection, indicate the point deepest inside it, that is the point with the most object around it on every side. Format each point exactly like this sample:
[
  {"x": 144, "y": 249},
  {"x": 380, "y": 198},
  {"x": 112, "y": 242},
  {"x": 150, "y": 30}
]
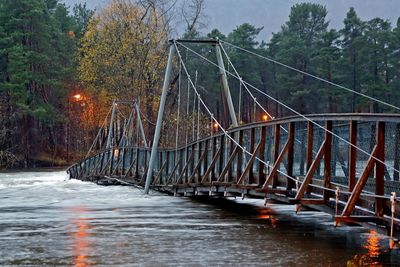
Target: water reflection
[
  {"x": 80, "y": 235},
  {"x": 373, "y": 248},
  {"x": 267, "y": 214},
  {"x": 373, "y": 244}
]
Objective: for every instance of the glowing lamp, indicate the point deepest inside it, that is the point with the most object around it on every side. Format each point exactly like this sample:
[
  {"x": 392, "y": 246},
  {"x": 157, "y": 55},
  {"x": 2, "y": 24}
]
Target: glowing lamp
[{"x": 77, "y": 97}]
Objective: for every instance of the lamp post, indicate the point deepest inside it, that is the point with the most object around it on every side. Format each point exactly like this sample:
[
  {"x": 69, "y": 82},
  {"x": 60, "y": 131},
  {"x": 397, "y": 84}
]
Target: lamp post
[{"x": 76, "y": 98}]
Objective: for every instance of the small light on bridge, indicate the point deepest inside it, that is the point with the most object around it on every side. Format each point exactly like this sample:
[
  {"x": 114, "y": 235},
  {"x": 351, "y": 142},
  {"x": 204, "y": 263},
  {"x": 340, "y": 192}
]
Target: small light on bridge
[
  {"x": 77, "y": 97},
  {"x": 215, "y": 125},
  {"x": 265, "y": 117}
]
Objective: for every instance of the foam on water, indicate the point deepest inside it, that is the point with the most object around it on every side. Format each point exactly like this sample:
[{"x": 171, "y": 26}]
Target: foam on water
[{"x": 47, "y": 219}]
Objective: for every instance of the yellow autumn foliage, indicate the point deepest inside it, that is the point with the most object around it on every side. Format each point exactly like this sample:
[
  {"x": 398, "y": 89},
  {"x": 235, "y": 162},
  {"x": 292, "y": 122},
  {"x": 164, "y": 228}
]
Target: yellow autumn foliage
[{"x": 123, "y": 53}]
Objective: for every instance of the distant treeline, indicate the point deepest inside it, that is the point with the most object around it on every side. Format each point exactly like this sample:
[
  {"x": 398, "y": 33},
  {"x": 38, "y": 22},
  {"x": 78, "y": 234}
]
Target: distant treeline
[
  {"x": 363, "y": 56},
  {"x": 60, "y": 69}
]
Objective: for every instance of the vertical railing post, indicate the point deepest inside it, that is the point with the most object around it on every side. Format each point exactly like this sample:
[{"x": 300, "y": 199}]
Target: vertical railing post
[
  {"x": 110, "y": 127},
  {"x": 137, "y": 163},
  {"x": 290, "y": 156},
  {"x": 327, "y": 159},
  {"x": 139, "y": 121},
  {"x": 261, "y": 167},
  {"x": 159, "y": 119},
  {"x": 232, "y": 146},
  {"x": 380, "y": 168},
  {"x": 396, "y": 164},
  {"x": 252, "y": 142},
  {"x": 187, "y": 154},
  {"x": 221, "y": 155},
  {"x": 277, "y": 136},
  {"x": 239, "y": 155},
  {"x": 352, "y": 155},
  {"x": 197, "y": 175},
  {"x": 167, "y": 166},
  {"x": 310, "y": 146},
  {"x": 205, "y": 161},
  {"x": 214, "y": 151},
  {"x": 192, "y": 160}
]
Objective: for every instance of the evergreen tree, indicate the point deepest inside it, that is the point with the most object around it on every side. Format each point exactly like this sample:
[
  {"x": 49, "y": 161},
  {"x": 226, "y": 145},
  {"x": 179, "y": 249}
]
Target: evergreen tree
[{"x": 352, "y": 42}]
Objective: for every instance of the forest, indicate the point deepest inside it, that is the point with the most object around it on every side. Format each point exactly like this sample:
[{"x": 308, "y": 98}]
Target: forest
[{"x": 61, "y": 67}]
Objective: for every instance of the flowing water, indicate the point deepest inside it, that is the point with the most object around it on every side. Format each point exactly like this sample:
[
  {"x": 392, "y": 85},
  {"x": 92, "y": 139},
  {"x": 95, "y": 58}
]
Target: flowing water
[{"x": 48, "y": 220}]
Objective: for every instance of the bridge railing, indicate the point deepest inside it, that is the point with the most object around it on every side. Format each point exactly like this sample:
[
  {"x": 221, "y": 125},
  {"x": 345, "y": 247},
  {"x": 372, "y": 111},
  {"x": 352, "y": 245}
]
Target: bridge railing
[{"x": 281, "y": 154}]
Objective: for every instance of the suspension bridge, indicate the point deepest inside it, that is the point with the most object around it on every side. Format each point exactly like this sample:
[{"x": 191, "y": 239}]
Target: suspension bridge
[{"x": 344, "y": 164}]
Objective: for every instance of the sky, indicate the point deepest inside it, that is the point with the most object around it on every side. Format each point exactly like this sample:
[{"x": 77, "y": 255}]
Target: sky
[{"x": 225, "y": 15}]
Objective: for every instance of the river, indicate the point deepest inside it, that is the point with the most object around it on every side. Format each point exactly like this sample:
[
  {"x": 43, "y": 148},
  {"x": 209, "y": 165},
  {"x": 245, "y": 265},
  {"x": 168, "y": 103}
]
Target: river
[{"x": 48, "y": 220}]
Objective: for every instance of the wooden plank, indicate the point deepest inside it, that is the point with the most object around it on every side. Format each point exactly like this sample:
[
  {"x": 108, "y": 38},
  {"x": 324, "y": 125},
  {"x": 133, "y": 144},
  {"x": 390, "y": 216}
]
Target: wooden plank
[
  {"x": 312, "y": 201},
  {"x": 310, "y": 172},
  {"x": 359, "y": 218},
  {"x": 352, "y": 155},
  {"x": 355, "y": 194},
  {"x": 249, "y": 165},
  {"x": 380, "y": 168}
]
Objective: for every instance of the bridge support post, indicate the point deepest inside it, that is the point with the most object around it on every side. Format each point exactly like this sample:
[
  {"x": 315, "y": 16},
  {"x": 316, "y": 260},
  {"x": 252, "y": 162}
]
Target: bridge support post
[
  {"x": 110, "y": 128},
  {"x": 139, "y": 121},
  {"x": 226, "y": 85},
  {"x": 159, "y": 119}
]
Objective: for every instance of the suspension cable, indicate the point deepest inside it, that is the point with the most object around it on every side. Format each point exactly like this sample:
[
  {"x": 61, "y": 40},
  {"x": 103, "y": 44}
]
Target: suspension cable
[
  {"x": 179, "y": 107},
  {"x": 216, "y": 121},
  {"x": 198, "y": 118},
  {"x": 193, "y": 117},
  {"x": 187, "y": 107},
  {"x": 235, "y": 142},
  {"x": 242, "y": 83},
  {"x": 98, "y": 133},
  {"x": 240, "y": 102},
  {"x": 254, "y": 98},
  {"x": 311, "y": 75},
  {"x": 297, "y": 113}
]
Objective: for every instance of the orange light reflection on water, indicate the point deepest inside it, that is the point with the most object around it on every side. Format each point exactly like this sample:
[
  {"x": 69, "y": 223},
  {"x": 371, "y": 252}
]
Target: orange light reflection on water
[
  {"x": 372, "y": 244},
  {"x": 373, "y": 250},
  {"x": 267, "y": 214},
  {"x": 79, "y": 234}
]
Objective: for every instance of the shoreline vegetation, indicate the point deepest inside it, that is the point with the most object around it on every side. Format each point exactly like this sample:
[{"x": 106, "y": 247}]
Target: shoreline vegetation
[{"x": 61, "y": 67}]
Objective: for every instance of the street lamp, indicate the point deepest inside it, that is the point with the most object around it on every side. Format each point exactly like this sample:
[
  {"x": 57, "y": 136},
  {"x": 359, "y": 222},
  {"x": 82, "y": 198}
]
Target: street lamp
[{"x": 76, "y": 98}]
